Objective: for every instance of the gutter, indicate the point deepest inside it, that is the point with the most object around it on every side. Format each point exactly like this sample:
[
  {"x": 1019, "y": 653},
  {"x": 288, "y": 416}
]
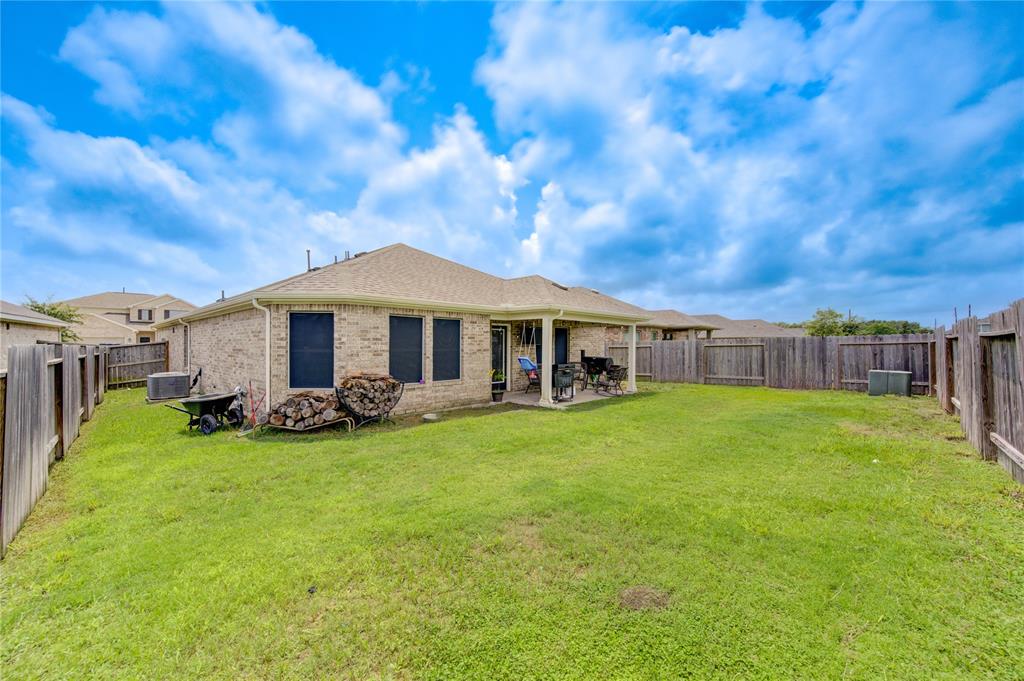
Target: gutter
[
  {"x": 266, "y": 351},
  {"x": 505, "y": 311}
]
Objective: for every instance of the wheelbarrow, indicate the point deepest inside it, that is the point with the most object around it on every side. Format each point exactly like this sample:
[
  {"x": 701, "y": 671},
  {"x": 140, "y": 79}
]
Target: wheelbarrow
[{"x": 210, "y": 412}]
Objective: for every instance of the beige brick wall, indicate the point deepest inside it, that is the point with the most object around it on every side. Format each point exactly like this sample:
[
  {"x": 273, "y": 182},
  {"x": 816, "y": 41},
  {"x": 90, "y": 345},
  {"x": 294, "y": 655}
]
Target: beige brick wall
[
  {"x": 175, "y": 337},
  {"x": 229, "y": 349},
  {"x": 12, "y": 333},
  {"x": 361, "y": 344}
]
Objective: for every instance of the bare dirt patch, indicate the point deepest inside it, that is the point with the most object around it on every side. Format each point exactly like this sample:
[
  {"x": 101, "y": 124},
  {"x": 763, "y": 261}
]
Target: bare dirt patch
[
  {"x": 1016, "y": 497},
  {"x": 643, "y": 598},
  {"x": 525, "y": 533}
]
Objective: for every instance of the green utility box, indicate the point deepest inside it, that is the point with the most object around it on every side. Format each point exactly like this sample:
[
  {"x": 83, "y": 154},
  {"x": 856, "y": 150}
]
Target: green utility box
[{"x": 889, "y": 383}]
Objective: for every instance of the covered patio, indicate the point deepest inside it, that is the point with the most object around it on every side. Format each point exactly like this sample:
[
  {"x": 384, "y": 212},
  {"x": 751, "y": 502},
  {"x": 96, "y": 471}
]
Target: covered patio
[
  {"x": 553, "y": 338},
  {"x": 532, "y": 398}
]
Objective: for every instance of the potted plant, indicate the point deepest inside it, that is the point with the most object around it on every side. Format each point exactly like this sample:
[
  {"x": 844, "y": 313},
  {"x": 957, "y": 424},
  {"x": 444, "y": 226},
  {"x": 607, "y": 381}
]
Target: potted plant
[{"x": 497, "y": 385}]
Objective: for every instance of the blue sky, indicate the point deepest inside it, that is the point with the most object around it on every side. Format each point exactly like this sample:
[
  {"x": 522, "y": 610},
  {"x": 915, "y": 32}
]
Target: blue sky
[{"x": 752, "y": 160}]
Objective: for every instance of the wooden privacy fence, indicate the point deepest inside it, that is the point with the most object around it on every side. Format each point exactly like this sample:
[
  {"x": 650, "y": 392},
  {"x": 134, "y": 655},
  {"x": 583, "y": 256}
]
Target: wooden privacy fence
[
  {"x": 980, "y": 377},
  {"x": 45, "y": 394},
  {"x": 128, "y": 365},
  {"x": 807, "y": 363}
]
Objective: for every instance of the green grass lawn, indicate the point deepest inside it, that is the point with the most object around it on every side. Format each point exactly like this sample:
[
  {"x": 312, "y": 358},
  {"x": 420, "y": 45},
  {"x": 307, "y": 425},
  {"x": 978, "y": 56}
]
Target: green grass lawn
[{"x": 794, "y": 534}]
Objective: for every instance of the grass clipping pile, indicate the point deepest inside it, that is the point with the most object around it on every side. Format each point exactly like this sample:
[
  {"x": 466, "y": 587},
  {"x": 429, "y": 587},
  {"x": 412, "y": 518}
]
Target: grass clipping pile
[{"x": 363, "y": 396}]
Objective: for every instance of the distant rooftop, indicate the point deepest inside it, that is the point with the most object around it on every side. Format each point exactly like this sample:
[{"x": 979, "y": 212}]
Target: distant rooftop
[
  {"x": 747, "y": 328},
  {"x": 12, "y": 312}
]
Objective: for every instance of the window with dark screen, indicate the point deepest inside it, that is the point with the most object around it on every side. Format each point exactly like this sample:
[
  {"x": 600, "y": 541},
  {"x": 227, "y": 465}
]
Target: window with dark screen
[
  {"x": 405, "y": 348},
  {"x": 310, "y": 350},
  {"x": 447, "y": 349}
]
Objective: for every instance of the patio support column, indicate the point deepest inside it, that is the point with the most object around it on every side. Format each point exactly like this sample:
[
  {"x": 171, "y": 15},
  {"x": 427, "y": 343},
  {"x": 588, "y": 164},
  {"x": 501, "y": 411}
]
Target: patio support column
[
  {"x": 547, "y": 337},
  {"x": 631, "y": 383}
]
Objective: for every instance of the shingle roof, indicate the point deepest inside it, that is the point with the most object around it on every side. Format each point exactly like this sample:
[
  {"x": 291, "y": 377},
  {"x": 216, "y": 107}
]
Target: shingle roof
[
  {"x": 118, "y": 299},
  {"x": 109, "y": 299},
  {"x": 674, "y": 319},
  {"x": 400, "y": 272},
  {"x": 12, "y": 312},
  {"x": 747, "y": 328}
]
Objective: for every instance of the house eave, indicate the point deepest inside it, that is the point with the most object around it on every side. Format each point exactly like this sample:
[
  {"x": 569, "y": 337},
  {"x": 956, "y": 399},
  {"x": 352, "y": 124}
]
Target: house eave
[
  {"x": 497, "y": 312},
  {"x": 32, "y": 321}
]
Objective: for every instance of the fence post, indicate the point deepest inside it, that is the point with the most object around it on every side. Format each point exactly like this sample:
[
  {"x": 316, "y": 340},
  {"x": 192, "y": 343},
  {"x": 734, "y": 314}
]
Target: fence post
[{"x": 988, "y": 449}]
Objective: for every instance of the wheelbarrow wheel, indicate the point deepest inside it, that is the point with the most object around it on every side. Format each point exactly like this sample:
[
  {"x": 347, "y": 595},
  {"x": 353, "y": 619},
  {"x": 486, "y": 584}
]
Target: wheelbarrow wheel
[{"x": 207, "y": 424}]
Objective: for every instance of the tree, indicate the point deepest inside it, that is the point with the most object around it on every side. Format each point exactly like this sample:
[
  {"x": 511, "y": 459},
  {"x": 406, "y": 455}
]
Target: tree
[
  {"x": 825, "y": 322},
  {"x": 829, "y": 322},
  {"x": 61, "y": 311}
]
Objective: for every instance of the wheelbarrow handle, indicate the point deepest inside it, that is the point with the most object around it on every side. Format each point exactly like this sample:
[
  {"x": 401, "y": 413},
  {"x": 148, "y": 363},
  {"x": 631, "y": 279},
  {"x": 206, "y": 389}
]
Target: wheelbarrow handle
[{"x": 183, "y": 411}]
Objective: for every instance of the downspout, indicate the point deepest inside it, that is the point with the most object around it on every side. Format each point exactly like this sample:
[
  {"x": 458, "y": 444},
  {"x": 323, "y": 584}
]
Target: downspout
[
  {"x": 188, "y": 349},
  {"x": 266, "y": 352}
]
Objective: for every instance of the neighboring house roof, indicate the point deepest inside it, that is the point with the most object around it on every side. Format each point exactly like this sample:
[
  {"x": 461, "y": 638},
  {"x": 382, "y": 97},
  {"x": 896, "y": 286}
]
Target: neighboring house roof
[
  {"x": 118, "y": 299},
  {"x": 113, "y": 322},
  {"x": 674, "y": 319},
  {"x": 399, "y": 275},
  {"x": 747, "y": 328},
  {"x": 19, "y": 314},
  {"x": 109, "y": 299}
]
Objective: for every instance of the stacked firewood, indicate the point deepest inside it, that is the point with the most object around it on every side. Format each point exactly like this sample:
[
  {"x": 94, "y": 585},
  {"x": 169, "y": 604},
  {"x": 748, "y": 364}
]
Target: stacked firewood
[
  {"x": 370, "y": 395},
  {"x": 305, "y": 410}
]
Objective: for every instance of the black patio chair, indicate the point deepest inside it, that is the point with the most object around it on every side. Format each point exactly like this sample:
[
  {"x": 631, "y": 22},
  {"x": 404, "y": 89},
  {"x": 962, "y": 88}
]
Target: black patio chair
[{"x": 610, "y": 382}]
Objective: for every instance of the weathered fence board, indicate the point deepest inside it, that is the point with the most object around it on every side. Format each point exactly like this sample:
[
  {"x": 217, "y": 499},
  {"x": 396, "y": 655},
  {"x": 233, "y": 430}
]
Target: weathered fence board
[
  {"x": 101, "y": 374},
  {"x": 71, "y": 391},
  {"x": 734, "y": 363},
  {"x": 88, "y": 383},
  {"x": 129, "y": 365},
  {"x": 620, "y": 355},
  {"x": 26, "y": 436},
  {"x": 43, "y": 400},
  {"x": 808, "y": 363},
  {"x": 981, "y": 380}
]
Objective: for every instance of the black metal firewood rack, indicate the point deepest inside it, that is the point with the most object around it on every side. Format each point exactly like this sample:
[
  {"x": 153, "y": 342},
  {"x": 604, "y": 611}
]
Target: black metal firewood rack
[{"x": 386, "y": 408}]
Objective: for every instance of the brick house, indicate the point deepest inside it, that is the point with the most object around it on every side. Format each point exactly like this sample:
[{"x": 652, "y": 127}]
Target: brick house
[
  {"x": 436, "y": 325},
  {"x": 20, "y": 325},
  {"x": 119, "y": 317}
]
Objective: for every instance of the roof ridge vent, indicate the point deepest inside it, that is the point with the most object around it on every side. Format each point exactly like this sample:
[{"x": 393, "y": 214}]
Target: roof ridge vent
[{"x": 564, "y": 288}]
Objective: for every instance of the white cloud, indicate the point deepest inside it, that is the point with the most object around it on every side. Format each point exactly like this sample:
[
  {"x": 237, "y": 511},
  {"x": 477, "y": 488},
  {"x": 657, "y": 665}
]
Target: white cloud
[
  {"x": 116, "y": 48},
  {"x": 722, "y": 165},
  {"x": 758, "y": 169},
  {"x": 760, "y": 53},
  {"x": 455, "y": 197}
]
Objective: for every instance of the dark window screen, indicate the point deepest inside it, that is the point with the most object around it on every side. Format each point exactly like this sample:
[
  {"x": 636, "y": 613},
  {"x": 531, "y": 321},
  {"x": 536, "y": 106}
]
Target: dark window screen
[
  {"x": 405, "y": 354},
  {"x": 447, "y": 349},
  {"x": 311, "y": 350}
]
